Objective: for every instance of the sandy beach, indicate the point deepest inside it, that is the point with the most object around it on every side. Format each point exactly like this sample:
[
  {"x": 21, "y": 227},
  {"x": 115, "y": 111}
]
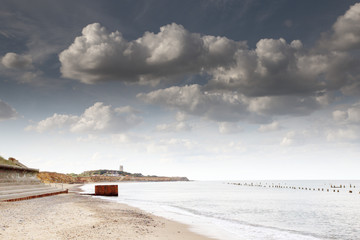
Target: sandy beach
[{"x": 75, "y": 216}]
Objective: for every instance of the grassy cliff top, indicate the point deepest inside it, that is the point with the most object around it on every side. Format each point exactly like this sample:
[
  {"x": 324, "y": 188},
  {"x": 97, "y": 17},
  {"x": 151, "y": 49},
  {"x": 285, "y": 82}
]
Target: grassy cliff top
[
  {"x": 11, "y": 162},
  {"x": 6, "y": 162}
]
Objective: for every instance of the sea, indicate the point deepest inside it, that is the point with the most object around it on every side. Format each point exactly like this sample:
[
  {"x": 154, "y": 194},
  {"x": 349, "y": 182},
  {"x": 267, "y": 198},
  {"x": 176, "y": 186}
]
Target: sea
[{"x": 252, "y": 210}]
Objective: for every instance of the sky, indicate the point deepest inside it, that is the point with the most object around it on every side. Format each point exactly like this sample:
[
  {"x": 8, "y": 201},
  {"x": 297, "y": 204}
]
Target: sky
[{"x": 207, "y": 89}]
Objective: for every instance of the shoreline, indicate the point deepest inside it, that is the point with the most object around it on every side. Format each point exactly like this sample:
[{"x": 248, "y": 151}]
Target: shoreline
[{"x": 76, "y": 216}]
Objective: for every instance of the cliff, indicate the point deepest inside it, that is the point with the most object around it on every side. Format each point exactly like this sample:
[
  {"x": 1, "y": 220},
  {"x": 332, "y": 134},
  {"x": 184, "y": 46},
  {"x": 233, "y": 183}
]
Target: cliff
[
  {"x": 12, "y": 170},
  {"x": 53, "y": 177}
]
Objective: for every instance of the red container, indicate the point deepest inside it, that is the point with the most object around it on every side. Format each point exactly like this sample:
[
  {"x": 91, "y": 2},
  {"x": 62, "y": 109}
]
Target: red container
[{"x": 106, "y": 190}]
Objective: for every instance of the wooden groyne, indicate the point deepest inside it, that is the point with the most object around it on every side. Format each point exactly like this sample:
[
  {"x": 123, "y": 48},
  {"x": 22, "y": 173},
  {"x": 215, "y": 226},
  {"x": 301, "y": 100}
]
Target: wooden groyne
[{"x": 15, "y": 199}]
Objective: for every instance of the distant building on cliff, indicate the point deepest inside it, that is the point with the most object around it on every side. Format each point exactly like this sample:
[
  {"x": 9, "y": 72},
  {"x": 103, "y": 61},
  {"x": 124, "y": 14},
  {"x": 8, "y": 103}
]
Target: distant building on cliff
[{"x": 121, "y": 168}]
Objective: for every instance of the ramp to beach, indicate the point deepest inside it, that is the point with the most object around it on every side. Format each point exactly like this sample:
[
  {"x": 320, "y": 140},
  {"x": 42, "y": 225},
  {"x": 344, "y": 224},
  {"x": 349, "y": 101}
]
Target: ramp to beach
[{"x": 20, "y": 183}]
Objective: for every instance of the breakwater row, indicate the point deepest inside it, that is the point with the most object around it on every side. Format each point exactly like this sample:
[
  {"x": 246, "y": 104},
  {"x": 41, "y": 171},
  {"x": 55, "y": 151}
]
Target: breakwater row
[{"x": 335, "y": 188}]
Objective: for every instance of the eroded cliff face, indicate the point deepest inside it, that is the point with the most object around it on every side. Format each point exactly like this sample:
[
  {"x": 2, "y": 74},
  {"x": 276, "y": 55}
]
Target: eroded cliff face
[
  {"x": 14, "y": 173},
  {"x": 52, "y": 177}
]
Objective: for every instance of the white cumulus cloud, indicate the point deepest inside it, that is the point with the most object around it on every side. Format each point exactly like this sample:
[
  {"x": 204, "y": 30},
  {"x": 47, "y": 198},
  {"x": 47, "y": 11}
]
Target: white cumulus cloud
[
  {"x": 269, "y": 127},
  {"x": 57, "y": 121},
  {"x": 275, "y": 67},
  {"x": 97, "y": 118},
  {"x": 229, "y": 106},
  {"x": 346, "y": 31},
  {"x": 191, "y": 99},
  {"x": 350, "y": 115},
  {"x": 229, "y": 128},
  {"x": 16, "y": 61},
  {"x": 292, "y": 138},
  {"x": 349, "y": 133},
  {"x": 277, "y": 77},
  {"x": 6, "y": 111},
  {"x": 98, "y": 55},
  {"x": 173, "y": 127},
  {"x": 178, "y": 126}
]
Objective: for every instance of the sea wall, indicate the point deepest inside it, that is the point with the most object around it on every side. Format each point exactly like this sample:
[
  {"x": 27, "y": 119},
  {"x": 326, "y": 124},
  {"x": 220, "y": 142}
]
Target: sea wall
[{"x": 10, "y": 173}]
